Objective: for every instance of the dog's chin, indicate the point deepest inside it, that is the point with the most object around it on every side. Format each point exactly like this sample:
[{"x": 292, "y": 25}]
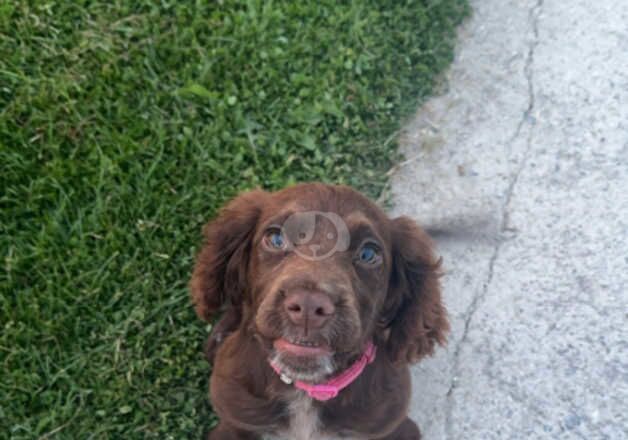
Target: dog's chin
[{"x": 310, "y": 369}]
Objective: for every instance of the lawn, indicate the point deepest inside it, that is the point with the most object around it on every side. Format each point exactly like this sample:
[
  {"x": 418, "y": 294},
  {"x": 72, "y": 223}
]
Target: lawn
[{"x": 124, "y": 126}]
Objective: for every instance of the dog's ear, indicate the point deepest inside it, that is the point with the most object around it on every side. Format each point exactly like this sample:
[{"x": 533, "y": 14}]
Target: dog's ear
[
  {"x": 414, "y": 312},
  {"x": 219, "y": 277}
]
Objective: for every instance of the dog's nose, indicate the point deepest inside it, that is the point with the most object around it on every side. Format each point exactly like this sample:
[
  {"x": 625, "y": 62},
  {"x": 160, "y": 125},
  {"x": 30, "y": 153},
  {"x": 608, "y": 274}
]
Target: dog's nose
[{"x": 309, "y": 309}]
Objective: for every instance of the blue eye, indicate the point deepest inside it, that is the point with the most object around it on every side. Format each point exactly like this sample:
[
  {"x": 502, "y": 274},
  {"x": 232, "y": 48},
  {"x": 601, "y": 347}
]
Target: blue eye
[
  {"x": 275, "y": 239},
  {"x": 368, "y": 254}
]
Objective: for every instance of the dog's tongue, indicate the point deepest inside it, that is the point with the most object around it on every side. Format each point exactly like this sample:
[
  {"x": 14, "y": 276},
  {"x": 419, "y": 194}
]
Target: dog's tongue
[{"x": 299, "y": 350}]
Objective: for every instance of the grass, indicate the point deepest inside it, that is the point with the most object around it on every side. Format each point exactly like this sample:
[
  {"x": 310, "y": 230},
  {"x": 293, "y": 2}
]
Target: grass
[{"x": 123, "y": 127}]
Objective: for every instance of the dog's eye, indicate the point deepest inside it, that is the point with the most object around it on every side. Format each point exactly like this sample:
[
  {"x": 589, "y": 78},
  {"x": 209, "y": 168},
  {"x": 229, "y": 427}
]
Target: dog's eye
[
  {"x": 369, "y": 254},
  {"x": 275, "y": 239}
]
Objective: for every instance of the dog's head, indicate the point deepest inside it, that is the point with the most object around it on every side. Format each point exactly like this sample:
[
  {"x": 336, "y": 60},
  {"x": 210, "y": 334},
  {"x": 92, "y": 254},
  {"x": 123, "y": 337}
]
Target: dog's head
[{"x": 316, "y": 271}]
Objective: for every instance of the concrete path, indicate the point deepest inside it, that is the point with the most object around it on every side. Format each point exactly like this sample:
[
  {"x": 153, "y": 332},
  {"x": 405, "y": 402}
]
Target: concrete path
[{"x": 525, "y": 158}]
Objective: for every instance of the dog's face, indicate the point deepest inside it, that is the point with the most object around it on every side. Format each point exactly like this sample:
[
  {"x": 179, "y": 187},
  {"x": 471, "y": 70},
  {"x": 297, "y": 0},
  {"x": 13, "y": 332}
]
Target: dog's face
[
  {"x": 318, "y": 271},
  {"x": 320, "y": 268}
]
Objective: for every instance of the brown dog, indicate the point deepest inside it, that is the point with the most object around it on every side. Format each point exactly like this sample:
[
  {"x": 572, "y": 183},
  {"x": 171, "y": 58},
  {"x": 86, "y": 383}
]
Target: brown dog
[{"x": 307, "y": 279}]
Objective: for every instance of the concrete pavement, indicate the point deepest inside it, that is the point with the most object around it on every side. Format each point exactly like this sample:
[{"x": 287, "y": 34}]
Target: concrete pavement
[{"x": 522, "y": 162}]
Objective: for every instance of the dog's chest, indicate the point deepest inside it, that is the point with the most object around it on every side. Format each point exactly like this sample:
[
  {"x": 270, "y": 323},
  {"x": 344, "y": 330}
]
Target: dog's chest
[{"x": 305, "y": 422}]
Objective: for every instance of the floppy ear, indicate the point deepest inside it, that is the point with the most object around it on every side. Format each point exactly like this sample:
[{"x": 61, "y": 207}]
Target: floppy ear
[
  {"x": 417, "y": 318},
  {"x": 219, "y": 277}
]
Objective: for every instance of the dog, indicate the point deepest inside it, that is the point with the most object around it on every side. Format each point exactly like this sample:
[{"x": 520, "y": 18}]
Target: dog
[{"x": 325, "y": 301}]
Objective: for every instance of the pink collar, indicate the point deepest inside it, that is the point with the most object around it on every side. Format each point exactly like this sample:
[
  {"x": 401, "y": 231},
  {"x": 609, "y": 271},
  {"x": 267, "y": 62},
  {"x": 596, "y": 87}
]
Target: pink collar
[{"x": 332, "y": 387}]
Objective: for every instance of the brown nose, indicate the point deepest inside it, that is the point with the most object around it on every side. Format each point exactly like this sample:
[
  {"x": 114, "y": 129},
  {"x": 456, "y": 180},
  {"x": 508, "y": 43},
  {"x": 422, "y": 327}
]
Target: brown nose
[{"x": 308, "y": 309}]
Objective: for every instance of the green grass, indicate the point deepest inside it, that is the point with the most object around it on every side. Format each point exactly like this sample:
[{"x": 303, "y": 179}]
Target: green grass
[{"x": 123, "y": 127}]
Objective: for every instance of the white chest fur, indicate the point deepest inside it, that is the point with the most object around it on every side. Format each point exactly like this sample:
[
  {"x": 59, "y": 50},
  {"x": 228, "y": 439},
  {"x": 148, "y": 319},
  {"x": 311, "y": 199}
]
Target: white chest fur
[{"x": 304, "y": 421}]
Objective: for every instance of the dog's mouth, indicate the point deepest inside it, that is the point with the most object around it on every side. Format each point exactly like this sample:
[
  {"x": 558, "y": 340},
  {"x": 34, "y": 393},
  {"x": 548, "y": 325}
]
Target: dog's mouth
[
  {"x": 302, "y": 347},
  {"x": 310, "y": 356},
  {"x": 303, "y": 359}
]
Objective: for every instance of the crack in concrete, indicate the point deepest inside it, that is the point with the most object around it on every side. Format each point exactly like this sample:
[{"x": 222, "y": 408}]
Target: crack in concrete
[
  {"x": 534, "y": 14},
  {"x": 526, "y": 117}
]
